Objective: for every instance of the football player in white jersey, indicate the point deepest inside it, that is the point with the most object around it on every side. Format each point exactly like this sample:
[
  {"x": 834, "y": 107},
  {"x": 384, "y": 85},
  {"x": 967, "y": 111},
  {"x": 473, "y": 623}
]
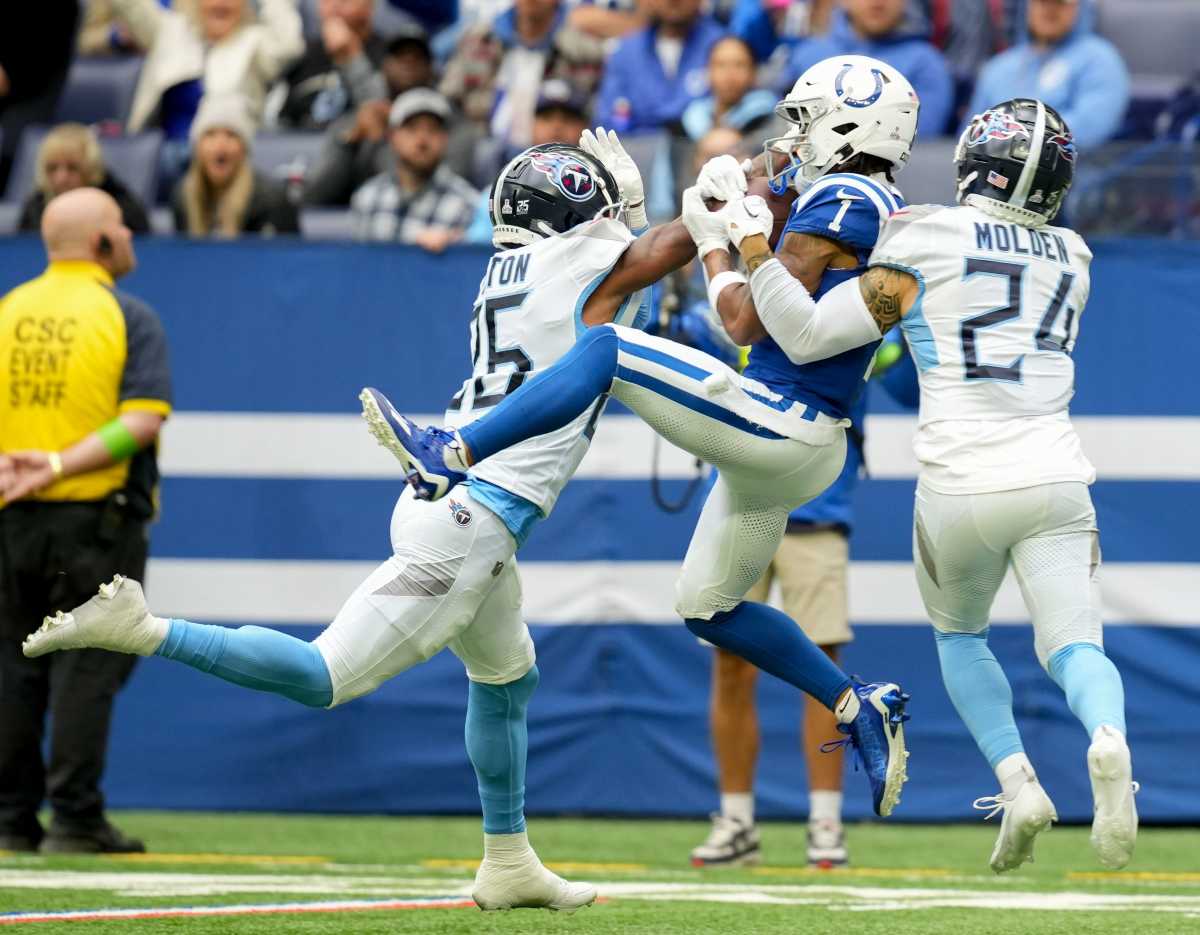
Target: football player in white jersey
[
  {"x": 990, "y": 296},
  {"x": 776, "y": 433},
  {"x": 452, "y": 579}
]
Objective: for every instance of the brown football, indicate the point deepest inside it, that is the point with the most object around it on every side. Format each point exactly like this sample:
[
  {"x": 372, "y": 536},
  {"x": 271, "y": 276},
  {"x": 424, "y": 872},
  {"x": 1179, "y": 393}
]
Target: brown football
[{"x": 780, "y": 205}]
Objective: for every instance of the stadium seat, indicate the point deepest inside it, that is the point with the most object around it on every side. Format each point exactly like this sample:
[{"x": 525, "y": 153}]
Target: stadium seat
[
  {"x": 285, "y": 155},
  {"x": 1157, "y": 39},
  {"x": 326, "y": 224},
  {"x": 99, "y": 89},
  {"x": 10, "y": 214},
  {"x": 133, "y": 159}
]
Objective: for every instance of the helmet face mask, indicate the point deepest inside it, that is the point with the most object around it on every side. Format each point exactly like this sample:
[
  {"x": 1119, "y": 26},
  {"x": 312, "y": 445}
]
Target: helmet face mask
[
  {"x": 839, "y": 108},
  {"x": 1016, "y": 161},
  {"x": 547, "y": 190}
]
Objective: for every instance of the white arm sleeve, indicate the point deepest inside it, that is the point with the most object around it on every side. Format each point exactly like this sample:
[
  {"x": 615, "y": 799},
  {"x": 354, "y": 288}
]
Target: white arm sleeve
[{"x": 806, "y": 330}]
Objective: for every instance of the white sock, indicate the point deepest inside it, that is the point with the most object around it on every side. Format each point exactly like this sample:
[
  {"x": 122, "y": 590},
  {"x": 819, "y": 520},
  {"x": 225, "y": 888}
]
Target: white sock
[
  {"x": 161, "y": 626},
  {"x": 825, "y": 805},
  {"x": 508, "y": 849},
  {"x": 739, "y": 805},
  {"x": 1013, "y": 772},
  {"x": 847, "y": 706}
]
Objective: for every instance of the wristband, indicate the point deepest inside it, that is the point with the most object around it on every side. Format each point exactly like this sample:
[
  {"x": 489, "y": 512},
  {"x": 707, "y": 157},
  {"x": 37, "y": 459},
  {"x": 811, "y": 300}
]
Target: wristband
[
  {"x": 56, "y": 465},
  {"x": 118, "y": 440},
  {"x": 719, "y": 282},
  {"x": 635, "y": 216}
]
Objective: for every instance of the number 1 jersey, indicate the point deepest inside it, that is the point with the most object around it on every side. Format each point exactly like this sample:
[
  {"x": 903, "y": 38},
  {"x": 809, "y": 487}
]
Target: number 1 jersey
[
  {"x": 991, "y": 331},
  {"x": 527, "y": 315}
]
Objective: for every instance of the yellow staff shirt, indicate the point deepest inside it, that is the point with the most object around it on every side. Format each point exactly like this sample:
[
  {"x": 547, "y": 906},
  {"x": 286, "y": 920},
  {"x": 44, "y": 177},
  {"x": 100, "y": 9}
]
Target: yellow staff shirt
[{"x": 74, "y": 354}]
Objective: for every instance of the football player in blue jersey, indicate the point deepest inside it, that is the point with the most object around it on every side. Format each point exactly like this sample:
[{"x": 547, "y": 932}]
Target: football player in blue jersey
[{"x": 777, "y": 433}]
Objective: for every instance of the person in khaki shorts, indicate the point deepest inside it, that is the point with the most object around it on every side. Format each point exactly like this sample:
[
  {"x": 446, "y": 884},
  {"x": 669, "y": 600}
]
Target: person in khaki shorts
[{"x": 810, "y": 570}]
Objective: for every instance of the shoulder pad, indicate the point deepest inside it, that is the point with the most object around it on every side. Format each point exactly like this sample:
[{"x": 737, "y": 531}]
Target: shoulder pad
[{"x": 908, "y": 222}]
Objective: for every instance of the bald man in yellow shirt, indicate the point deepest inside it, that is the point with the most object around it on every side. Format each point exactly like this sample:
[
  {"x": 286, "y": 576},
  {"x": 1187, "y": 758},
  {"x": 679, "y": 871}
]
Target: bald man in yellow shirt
[{"x": 84, "y": 389}]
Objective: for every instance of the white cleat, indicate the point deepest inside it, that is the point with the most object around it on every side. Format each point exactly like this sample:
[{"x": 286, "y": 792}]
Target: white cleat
[
  {"x": 527, "y": 886},
  {"x": 1026, "y": 815},
  {"x": 1115, "y": 823},
  {"x": 730, "y": 843},
  {"x": 115, "y": 619}
]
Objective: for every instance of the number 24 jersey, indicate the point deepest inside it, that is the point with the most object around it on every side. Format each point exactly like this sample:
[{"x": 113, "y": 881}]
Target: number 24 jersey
[{"x": 992, "y": 332}]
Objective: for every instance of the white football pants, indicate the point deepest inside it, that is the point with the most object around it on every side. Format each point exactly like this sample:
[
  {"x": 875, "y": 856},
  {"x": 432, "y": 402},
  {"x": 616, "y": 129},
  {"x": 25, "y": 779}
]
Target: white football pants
[
  {"x": 963, "y": 545},
  {"x": 771, "y": 455},
  {"x": 451, "y": 582}
]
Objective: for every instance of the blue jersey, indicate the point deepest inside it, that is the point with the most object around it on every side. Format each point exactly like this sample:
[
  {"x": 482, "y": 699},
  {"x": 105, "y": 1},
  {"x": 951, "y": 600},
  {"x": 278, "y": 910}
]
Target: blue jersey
[{"x": 850, "y": 209}]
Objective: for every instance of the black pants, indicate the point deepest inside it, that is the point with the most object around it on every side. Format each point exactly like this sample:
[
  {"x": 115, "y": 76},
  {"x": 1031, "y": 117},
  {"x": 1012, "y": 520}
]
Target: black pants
[{"x": 53, "y": 556}]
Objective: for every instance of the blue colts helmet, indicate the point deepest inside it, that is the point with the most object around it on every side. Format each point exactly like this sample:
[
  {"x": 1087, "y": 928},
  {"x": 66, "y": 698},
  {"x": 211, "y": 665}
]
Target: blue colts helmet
[
  {"x": 1016, "y": 160},
  {"x": 548, "y": 190}
]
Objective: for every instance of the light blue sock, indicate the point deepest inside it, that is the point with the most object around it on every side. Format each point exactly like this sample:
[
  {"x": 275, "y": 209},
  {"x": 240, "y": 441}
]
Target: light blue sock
[
  {"x": 772, "y": 641},
  {"x": 498, "y": 744},
  {"x": 1092, "y": 685},
  {"x": 980, "y": 692},
  {"x": 255, "y": 657},
  {"x": 558, "y": 396}
]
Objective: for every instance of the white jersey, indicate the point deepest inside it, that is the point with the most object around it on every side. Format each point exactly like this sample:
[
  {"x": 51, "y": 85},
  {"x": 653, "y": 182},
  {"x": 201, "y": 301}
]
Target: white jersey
[
  {"x": 527, "y": 315},
  {"x": 991, "y": 332}
]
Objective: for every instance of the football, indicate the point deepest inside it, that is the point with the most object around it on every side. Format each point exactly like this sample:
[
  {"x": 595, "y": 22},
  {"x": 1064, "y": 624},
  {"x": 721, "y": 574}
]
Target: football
[{"x": 780, "y": 205}]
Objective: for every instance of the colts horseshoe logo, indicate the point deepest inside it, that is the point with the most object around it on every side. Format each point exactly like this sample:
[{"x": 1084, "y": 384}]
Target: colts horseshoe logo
[{"x": 838, "y": 87}]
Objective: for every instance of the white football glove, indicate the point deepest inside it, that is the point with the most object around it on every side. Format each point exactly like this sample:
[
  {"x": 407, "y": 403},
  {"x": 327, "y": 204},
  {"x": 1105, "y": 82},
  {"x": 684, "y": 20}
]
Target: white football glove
[
  {"x": 708, "y": 228},
  {"x": 722, "y": 178},
  {"x": 745, "y": 218},
  {"x": 605, "y": 147}
]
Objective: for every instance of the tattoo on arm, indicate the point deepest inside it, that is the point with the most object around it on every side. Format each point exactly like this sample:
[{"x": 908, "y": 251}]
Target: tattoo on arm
[
  {"x": 884, "y": 289},
  {"x": 755, "y": 252}
]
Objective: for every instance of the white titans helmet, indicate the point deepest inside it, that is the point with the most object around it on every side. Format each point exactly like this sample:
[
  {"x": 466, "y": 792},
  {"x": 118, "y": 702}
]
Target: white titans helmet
[{"x": 842, "y": 106}]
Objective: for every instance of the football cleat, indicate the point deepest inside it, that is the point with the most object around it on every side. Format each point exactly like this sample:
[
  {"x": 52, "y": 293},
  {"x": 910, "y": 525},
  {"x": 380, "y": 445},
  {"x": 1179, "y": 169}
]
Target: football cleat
[
  {"x": 116, "y": 619},
  {"x": 422, "y": 451},
  {"x": 529, "y": 885},
  {"x": 730, "y": 843},
  {"x": 827, "y": 844},
  {"x": 1027, "y": 813},
  {"x": 1115, "y": 822},
  {"x": 877, "y": 735}
]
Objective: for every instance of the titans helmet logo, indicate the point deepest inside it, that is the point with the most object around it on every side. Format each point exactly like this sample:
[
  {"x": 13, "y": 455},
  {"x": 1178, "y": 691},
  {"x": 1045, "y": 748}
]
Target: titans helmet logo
[
  {"x": 568, "y": 175},
  {"x": 995, "y": 125}
]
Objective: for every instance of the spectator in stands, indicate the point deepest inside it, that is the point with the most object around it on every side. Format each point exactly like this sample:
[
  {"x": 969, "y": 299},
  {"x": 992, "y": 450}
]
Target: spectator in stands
[
  {"x": 339, "y": 71},
  {"x": 967, "y": 32},
  {"x": 561, "y": 117},
  {"x": 36, "y": 43},
  {"x": 768, "y": 24},
  {"x": 220, "y": 49},
  {"x": 356, "y": 147},
  {"x": 733, "y": 100},
  {"x": 876, "y": 28},
  {"x": 1061, "y": 62},
  {"x": 654, "y": 74},
  {"x": 605, "y": 19},
  {"x": 495, "y": 72},
  {"x": 223, "y": 195},
  {"x": 102, "y": 33},
  {"x": 419, "y": 200},
  {"x": 70, "y": 158}
]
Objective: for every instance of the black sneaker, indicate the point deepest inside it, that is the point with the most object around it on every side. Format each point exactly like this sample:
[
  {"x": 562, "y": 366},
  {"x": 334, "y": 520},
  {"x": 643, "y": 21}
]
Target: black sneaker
[
  {"x": 103, "y": 840},
  {"x": 18, "y": 843}
]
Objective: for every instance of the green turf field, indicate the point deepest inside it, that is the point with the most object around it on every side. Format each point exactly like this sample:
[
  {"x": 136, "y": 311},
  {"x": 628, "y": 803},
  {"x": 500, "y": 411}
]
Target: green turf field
[{"x": 908, "y": 880}]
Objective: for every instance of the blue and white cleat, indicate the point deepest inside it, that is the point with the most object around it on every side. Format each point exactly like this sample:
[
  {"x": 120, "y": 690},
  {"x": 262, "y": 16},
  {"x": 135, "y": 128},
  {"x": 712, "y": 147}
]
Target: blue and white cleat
[
  {"x": 877, "y": 735},
  {"x": 426, "y": 453}
]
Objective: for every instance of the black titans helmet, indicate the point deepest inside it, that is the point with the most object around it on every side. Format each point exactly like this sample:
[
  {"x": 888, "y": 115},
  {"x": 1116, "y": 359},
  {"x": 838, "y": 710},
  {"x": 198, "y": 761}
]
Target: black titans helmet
[
  {"x": 1019, "y": 157},
  {"x": 547, "y": 190}
]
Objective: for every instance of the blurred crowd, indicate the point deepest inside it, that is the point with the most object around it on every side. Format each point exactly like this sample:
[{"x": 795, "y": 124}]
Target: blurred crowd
[{"x": 406, "y": 109}]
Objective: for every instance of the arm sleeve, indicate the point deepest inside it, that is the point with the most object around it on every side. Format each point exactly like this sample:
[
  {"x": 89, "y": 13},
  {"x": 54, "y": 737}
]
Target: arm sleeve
[
  {"x": 146, "y": 381},
  {"x": 806, "y": 330}
]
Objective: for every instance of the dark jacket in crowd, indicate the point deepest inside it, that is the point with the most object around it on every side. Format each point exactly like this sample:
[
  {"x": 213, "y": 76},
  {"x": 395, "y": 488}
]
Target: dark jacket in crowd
[
  {"x": 319, "y": 91},
  {"x": 132, "y": 209}
]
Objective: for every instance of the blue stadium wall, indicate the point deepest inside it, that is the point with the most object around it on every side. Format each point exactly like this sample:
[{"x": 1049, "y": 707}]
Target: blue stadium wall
[{"x": 275, "y": 502}]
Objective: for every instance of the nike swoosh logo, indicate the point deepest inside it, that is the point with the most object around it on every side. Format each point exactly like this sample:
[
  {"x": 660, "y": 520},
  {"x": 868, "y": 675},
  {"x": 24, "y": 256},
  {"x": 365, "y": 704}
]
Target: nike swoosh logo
[{"x": 844, "y": 195}]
